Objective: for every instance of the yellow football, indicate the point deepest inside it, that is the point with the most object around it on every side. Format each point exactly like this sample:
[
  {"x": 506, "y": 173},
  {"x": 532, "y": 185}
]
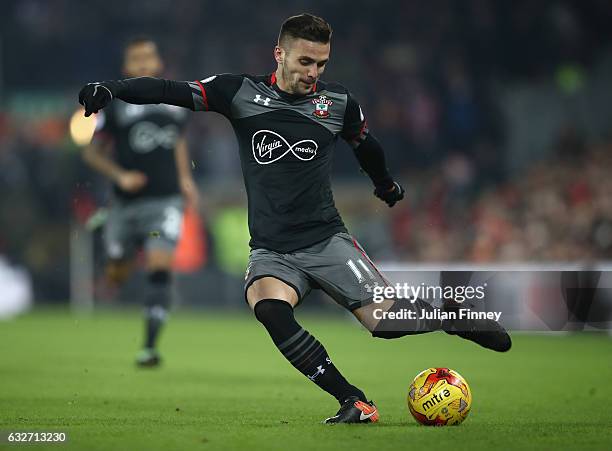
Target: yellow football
[{"x": 439, "y": 397}]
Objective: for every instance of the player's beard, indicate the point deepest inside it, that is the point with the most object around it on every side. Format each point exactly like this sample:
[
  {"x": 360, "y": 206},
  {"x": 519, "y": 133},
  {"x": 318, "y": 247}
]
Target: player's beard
[
  {"x": 301, "y": 87},
  {"x": 295, "y": 78}
]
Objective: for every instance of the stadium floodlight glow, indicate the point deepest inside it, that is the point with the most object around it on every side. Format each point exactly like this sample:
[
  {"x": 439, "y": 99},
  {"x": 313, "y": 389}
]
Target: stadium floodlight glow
[{"x": 82, "y": 128}]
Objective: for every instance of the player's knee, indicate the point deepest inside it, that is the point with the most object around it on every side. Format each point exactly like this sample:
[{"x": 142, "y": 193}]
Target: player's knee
[
  {"x": 367, "y": 316},
  {"x": 158, "y": 293},
  {"x": 159, "y": 260},
  {"x": 270, "y": 310},
  {"x": 159, "y": 277},
  {"x": 270, "y": 288}
]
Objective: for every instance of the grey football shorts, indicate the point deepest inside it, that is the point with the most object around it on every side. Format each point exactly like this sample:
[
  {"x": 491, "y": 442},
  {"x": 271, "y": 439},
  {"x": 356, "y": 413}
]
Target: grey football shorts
[
  {"x": 154, "y": 223},
  {"x": 339, "y": 266}
]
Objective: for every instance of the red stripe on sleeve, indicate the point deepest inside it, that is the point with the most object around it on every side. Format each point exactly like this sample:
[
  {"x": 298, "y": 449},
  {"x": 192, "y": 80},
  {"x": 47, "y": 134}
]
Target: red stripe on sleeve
[{"x": 204, "y": 98}]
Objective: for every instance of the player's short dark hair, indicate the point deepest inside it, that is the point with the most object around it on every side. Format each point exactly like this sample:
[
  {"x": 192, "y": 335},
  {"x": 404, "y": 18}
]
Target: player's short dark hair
[
  {"x": 305, "y": 26},
  {"x": 137, "y": 40}
]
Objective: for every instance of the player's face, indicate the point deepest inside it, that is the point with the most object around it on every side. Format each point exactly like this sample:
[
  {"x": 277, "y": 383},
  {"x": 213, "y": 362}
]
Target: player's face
[
  {"x": 142, "y": 60},
  {"x": 301, "y": 62}
]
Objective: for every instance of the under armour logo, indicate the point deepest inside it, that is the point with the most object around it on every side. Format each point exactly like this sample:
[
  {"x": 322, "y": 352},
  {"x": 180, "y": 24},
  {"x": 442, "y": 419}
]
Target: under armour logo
[
  {"x": 265, "y": 101},
  {"x": 320, "y": 370}
]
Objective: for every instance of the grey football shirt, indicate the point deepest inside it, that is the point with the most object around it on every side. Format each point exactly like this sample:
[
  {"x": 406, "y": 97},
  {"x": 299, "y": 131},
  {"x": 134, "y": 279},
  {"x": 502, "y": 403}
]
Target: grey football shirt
[
  {"x": 286, "y": 144},
  {"x": 144, "y": 138}
]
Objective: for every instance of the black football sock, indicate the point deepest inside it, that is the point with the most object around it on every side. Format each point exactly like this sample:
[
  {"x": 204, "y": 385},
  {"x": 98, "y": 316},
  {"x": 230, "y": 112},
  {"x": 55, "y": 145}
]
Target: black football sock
[
  {"x": 156, "y": 305},
  {"x": 400, "y": 325},
  {"x": 303, "y": 350}
]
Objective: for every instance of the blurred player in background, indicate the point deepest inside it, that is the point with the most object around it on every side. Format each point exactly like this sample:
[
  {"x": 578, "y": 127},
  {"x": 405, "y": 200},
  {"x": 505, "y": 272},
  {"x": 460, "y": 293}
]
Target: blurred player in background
[
  {"x": 287, "y": 124},
  {"x": 149, "y": 171}
]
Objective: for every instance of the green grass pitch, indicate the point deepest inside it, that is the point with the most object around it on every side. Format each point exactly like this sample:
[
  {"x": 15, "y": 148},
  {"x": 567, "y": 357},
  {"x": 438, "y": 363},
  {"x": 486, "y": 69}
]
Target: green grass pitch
[{"x": 223, "y": 386}]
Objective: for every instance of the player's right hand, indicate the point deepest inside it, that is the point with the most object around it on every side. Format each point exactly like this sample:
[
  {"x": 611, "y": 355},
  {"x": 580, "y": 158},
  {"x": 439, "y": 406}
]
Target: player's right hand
[
  {"x": 132, "y": 181},
  {"x": 390, "y": 195},
  {"x": 94, "y": 97}
]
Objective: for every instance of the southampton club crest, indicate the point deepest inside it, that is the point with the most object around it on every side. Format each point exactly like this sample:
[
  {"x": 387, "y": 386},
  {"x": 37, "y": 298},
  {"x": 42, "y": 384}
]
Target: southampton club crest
[{"x": 322, "y": 105}]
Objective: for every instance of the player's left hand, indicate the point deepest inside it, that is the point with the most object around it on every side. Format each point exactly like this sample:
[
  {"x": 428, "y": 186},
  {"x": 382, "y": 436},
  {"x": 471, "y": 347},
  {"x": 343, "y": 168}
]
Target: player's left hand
[
  {"x": 94, "y": 97},
  {"x": 390, "y": 195}
]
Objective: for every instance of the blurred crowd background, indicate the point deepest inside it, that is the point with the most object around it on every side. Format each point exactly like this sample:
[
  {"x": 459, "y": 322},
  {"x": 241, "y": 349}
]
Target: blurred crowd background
[{"x": 495, "y": 115}]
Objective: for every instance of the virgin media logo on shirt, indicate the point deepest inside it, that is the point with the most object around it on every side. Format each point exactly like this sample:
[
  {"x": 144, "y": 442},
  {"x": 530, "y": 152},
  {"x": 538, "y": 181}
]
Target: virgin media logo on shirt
[{"x": 269, "y": 146}]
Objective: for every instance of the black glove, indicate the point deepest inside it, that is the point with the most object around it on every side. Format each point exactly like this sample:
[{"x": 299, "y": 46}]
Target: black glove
[
  {"x": 94, "y": 97},
  {"x": 390, "y": 194}
]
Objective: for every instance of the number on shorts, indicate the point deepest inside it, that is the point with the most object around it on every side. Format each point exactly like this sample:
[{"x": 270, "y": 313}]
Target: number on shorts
[{"x": 172, "y": 222}]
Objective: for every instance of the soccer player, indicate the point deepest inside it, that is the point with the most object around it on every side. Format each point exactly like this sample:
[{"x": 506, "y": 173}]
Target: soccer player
[
  {"x": 150, "y": 170},
  {"x": 287, "y": 124}
]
